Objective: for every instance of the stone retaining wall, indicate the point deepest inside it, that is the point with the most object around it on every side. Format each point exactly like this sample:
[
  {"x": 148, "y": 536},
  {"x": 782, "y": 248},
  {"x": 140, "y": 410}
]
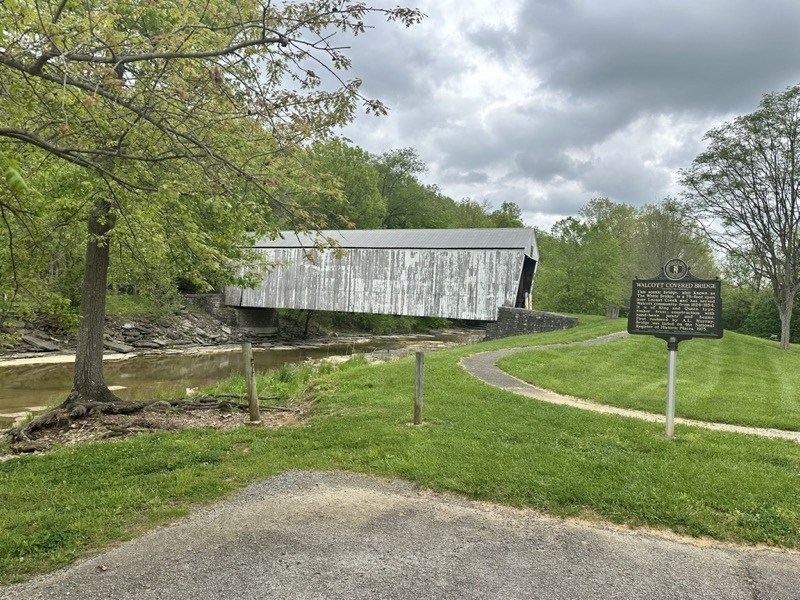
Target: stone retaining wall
[
  {"x": 519, "y": 321},
  {"x": 214, "y": 305}
]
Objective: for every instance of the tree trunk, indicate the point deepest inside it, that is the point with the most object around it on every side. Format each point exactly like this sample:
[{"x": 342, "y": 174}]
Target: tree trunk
[
  {"x": 785, "y": 312},
  {"x": 89, "y": 384}
]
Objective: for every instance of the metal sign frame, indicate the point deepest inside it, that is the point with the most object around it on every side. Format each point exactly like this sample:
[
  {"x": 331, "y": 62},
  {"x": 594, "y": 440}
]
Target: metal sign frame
[{"x": 679, "y": 306}]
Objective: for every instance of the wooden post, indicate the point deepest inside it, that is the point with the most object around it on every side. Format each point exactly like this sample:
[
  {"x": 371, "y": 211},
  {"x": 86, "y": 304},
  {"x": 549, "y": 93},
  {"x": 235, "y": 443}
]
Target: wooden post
[
  {"x": 250, "y": 376},
  {"x": 420, "y": 379}
]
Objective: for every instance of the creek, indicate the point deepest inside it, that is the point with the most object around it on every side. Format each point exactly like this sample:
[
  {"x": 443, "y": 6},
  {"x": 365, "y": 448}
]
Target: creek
[{"x": 26, "y": 387}]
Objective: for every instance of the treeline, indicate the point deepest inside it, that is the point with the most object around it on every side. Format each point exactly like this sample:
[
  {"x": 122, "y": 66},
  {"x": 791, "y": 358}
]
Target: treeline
[
  {"x": 385, "y": 192},
  {"x": 588, "y": 263},
  {"x": 183, "y": 240}
]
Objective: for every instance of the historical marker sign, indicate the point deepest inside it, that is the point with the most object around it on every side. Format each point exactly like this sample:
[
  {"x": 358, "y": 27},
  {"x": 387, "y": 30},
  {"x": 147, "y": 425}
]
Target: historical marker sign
[{"x": 676, "y": 305}]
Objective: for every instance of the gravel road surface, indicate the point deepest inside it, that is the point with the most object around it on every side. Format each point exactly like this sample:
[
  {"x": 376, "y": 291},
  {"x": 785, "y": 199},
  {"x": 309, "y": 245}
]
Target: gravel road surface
[{"x": 319, "y": 535}]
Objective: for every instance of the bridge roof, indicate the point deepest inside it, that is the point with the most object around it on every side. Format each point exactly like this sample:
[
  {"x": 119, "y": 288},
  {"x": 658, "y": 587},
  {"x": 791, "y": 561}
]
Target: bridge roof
[{"x": 479, "y": 239}]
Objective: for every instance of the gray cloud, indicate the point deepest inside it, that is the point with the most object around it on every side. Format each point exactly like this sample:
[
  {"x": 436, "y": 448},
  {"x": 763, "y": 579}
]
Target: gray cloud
[
  {"x": 715, "y": 55},
  {"x": 464, "y": 177},
  {"x": 549, "y": 103}
]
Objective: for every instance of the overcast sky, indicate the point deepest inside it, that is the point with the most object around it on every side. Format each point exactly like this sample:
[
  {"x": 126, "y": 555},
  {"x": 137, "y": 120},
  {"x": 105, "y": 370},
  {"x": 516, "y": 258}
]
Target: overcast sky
[{"x": 550, "y": 103}]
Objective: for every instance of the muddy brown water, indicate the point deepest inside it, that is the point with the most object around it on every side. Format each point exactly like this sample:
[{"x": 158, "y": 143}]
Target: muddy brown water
[{"x": 26, "y": 388}]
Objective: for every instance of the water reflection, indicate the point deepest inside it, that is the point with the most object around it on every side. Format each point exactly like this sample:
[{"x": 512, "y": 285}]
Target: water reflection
[{"x": 31, "y": 387}]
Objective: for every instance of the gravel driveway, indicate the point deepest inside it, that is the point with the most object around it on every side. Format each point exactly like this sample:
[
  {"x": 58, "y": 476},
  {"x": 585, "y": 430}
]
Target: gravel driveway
[{"x": 319, "y": 535}]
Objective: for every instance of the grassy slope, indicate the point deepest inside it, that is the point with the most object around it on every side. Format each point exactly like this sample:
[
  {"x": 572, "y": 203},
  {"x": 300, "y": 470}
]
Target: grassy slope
[
  {"x": 477, "y": 441},
  {"x": 738, "y": 379}
]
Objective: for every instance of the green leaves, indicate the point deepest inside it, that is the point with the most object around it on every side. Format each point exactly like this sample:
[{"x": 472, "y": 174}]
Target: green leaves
[
  {"x": 163, "y": 81},
  {"x": 12, "y": 174}
]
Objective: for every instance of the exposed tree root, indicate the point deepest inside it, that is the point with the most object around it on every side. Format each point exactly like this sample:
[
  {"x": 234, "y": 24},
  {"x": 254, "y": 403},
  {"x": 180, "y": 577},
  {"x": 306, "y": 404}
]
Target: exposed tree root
[
  {"x": 203, "y": 402},
  {"x": 64, "y": 416},
  {"x": 30, "y": 436}
]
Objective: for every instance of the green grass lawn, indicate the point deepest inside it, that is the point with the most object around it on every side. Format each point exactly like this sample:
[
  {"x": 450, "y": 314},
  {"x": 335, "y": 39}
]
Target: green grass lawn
[
  {"x": 477, "y": 441},
  {"x": 737, "y": 379}
]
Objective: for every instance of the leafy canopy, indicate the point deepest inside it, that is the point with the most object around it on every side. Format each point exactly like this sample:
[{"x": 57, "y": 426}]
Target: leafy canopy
[
  {"x": 188, "y": 118},
  {"x": 128, "y": 89}
]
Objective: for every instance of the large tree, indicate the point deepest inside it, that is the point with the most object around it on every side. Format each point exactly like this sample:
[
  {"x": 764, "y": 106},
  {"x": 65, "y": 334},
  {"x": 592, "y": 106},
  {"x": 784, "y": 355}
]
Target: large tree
[
  {"x": 746, "y": 186},
  {"x": 665, "y": 231},
  {"x": 351, "y": 170},
  {"x": 508, "y": 215},
  {"x": 179, "y": 114},
  {"x": 618, "y": 221},
  {"x": 579, "y": 268},
  {"x": 410, "y": 204}
]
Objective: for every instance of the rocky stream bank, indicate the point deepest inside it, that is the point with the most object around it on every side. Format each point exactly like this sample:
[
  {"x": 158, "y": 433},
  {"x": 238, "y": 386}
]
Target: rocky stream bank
[
  {"x": 187, "y": 330},
  {"x": 126, "y": 335}
]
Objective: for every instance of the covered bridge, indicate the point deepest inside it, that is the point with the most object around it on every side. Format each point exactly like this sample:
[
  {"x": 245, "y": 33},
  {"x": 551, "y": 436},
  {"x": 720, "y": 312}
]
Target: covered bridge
[{"x": 451, "y": 273}]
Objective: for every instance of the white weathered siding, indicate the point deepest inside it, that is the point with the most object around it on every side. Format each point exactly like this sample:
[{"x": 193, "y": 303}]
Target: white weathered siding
[{"x": 455, "y": 283}]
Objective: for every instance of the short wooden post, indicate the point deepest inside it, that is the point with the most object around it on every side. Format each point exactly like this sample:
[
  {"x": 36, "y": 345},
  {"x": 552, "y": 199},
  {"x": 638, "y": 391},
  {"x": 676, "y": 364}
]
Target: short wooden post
[
  {"x": 250, "y": 376},
  {"x": 420, "y": 379}
]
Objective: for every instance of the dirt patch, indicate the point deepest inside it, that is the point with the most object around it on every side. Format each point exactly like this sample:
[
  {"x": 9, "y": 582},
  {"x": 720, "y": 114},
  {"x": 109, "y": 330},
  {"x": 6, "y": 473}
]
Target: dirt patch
[{"x": 96, "y": 427}]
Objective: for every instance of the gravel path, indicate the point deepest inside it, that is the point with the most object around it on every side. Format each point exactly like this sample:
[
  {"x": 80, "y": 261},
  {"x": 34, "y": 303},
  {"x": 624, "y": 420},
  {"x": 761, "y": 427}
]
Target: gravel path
[
  {"x": 311, "y": 535},
  {"x": 483, "y": 366}
]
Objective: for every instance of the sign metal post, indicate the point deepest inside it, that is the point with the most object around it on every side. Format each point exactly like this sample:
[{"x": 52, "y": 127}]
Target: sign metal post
[
  {"x": 672, "y": 363},
  {"x": 675, "y": 306}
]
